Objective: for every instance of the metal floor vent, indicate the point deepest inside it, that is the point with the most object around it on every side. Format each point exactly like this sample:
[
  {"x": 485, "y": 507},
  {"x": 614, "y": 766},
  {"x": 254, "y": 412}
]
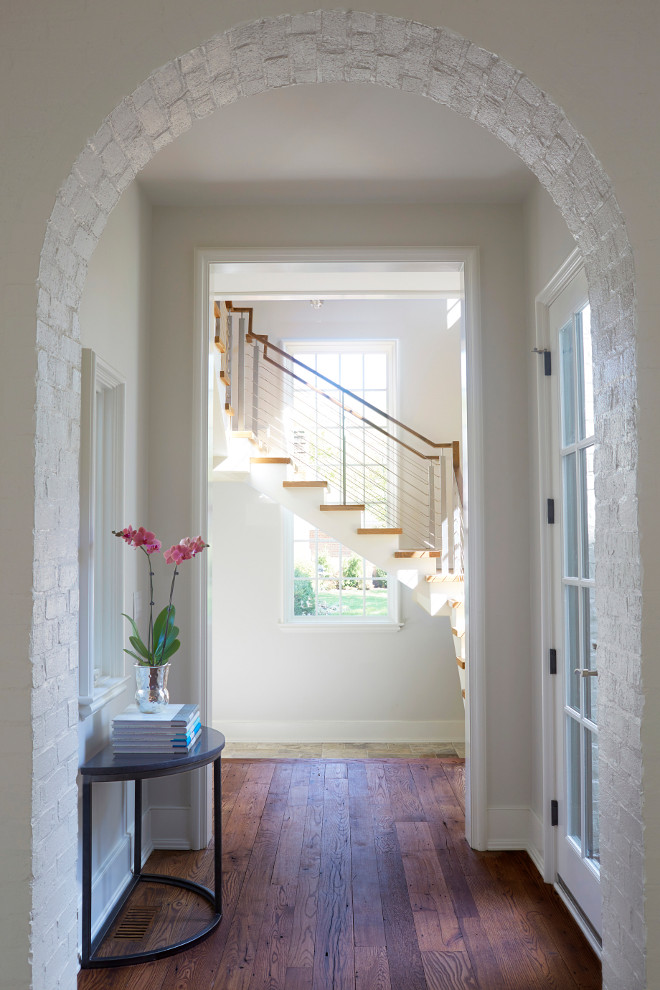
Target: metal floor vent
[{"x": 135, "y": 923}]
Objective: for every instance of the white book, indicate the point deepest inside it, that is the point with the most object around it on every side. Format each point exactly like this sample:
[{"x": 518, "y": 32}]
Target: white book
[{"x": 171, "y": 715}]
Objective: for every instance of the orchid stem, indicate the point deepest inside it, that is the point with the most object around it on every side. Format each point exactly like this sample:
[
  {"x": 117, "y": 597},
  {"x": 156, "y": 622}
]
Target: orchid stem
[
  {"x": 150, "y": 635},
  {"x": 169, "y": 608}
]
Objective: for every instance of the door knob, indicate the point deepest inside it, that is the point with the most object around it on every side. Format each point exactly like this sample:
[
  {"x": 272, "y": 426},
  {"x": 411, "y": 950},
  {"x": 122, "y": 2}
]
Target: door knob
[{"x": 585, "y": 672}]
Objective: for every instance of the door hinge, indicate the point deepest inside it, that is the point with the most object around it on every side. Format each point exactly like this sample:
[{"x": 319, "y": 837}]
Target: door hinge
[
  {"x": 554, "y": 813},
  {"x": 551, "y": 511},
  {"x": 547, "y": 359},
  {"x": 553, "y": 661}
]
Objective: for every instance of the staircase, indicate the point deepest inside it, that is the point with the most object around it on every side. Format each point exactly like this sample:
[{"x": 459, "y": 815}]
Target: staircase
[{"x": 372, "y": 483}]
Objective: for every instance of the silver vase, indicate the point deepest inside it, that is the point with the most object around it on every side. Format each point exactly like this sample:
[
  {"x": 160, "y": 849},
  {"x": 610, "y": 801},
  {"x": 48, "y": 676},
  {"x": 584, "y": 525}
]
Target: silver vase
[{"x": 151, "y": 695}]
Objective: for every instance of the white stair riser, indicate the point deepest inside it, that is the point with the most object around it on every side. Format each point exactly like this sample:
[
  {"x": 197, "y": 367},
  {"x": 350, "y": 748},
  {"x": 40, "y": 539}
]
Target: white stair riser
[{"x": 342, "y": 524}]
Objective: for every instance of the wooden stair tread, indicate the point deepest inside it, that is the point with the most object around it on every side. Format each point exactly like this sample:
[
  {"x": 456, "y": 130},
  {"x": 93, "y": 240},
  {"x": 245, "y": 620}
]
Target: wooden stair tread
[
  {"x": 444, "y": 578},
  {"x": 305, "y": 484},
  {"x": 220, "y": 345},
  {"x": 460, "y": 662},
  {"x": 270, "y": 460},
  {"x": 369, "y": 531},
  {"x": 229, "y": 409},
  {"x": 224, "y": 378},
  {"x": 418, "y": 553},
  {"x": 243, "y": 435},
  {"x": 340, "y": 507}
]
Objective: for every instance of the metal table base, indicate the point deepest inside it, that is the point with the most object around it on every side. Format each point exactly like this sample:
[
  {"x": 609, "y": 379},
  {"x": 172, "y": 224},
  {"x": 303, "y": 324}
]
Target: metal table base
[{"x": 106, "y": 767}]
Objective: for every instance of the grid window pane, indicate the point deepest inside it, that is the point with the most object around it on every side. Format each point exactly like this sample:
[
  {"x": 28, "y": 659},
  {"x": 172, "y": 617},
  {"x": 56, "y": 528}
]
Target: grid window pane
[
  {"x": 574, "y": 810},
  {"x": 572, "y": 646},
  {"x": 328, "y": 364},
  {"x": 590, "y": 646},
  {"x": 592, "y": 836},
  {"x": 375, "y": 371},
  {"x": 352, "y": 371},
  {"x": 331, "y": 581},
  {"x": 567, "y": 375},
  {"x": 586, "y": 374},
  {"x": 588, "y": 506},
  {"x": 569, "y": 476}
]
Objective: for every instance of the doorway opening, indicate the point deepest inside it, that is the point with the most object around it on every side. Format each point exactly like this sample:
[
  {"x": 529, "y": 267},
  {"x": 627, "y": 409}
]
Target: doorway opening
[{"x": 360, "y": 294}]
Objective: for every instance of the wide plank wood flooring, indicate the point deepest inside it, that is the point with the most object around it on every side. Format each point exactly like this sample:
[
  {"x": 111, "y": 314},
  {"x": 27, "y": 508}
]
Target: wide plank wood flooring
[{"x": 354, "y": 874}]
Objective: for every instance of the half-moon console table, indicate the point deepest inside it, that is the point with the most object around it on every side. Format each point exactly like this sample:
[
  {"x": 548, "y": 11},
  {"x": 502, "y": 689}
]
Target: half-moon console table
[{"x": 107, "y": 766}]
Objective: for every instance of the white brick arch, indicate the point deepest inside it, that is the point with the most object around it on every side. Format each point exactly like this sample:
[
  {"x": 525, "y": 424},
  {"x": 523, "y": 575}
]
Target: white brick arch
[{"x": 320, "y": 47}]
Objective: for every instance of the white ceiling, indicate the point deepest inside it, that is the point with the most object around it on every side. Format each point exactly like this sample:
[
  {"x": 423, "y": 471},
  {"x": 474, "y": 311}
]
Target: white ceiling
[{"x": 342, "y": 143}]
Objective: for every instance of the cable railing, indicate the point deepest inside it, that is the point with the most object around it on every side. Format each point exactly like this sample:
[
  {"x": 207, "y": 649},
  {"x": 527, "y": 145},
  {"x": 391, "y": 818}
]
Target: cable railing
[{"x": 368, "y": 457}]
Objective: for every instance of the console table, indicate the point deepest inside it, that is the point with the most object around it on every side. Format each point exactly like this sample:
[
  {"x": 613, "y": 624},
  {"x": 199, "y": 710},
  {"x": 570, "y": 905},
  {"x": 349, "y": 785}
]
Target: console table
[{"x": 108, "y": 766}]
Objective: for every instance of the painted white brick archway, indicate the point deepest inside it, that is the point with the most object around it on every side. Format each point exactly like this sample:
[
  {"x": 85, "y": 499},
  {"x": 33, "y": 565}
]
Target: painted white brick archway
[{"x": 320, "y": 47}]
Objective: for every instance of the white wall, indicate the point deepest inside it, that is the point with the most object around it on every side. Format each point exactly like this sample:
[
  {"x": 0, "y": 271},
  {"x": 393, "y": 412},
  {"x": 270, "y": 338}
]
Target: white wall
[
  {"x": 498, "y": 232},
  {"x": 114, "y": 322},
  {"x": 352, "y": 685},
  {"x": 598, "y": 60}
]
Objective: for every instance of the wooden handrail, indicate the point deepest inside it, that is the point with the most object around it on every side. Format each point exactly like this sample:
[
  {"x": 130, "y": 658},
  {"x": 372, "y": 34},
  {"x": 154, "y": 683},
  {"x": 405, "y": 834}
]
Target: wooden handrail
[
  {"x": 263, "y": 339},
  {"x": 241, "y": 309},
  {"x": 363, "y": 419}
]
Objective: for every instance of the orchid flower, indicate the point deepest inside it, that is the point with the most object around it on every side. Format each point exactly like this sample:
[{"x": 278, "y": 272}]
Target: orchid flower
[{"x": 162, "y": 640}]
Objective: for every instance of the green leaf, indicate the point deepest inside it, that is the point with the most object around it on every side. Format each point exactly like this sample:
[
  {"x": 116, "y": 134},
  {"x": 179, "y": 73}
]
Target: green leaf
[
  {"x": 159, "y": 624},
  {"x": 172, "y": 634},
  {"x": 138, "y": 645},
  {"x": 132, "y": 622},
  {"x": 171, "y": 650},
  {"x": 135, "y": 656}
]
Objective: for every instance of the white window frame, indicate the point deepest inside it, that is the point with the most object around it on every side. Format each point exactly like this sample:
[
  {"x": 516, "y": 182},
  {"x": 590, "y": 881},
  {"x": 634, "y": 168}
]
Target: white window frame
[
  {"x": 98, "y": 379},
  {"x": 299, "y": 347}
]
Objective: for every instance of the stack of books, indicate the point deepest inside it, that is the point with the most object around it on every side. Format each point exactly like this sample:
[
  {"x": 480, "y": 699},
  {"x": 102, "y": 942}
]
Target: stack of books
[{"x": 174, "y": 730}]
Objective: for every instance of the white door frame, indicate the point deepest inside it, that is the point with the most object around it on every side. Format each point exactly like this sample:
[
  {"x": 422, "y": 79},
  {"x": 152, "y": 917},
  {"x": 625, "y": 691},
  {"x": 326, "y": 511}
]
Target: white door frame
[
  {"x": 544, "y": 300},
  {"x": 472, "y": 440},
  {"x": 554, "y": 288}
]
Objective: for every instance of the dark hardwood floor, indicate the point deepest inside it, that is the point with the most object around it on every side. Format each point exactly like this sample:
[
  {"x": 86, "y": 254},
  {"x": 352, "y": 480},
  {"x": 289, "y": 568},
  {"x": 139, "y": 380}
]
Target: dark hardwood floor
[{"x": 355, "y": 875}]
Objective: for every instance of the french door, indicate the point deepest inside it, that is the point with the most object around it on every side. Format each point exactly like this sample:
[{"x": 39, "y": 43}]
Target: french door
[{"x": 574, "y": 613}]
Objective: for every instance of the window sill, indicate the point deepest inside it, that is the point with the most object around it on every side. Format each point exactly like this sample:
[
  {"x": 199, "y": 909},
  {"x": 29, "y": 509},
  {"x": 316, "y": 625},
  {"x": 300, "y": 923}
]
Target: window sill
[
  {"x": 111, "y": 688},
  {"x": 343, "y": 627}
]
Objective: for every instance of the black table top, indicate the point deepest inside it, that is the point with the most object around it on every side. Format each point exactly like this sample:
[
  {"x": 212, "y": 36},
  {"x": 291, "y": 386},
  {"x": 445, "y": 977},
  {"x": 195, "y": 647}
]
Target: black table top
[{"x": 108, "y": 765}]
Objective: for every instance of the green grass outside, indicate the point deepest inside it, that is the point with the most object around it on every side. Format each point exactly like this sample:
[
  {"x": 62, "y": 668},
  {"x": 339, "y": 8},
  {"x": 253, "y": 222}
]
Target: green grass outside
[{"x": 375, "y": 602}]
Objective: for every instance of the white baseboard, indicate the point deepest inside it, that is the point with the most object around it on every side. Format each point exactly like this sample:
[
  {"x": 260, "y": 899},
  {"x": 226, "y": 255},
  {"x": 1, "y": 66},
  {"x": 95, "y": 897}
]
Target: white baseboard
[
  {"x": 516, "y": 828},
  {"x": 340, "y": 731}
]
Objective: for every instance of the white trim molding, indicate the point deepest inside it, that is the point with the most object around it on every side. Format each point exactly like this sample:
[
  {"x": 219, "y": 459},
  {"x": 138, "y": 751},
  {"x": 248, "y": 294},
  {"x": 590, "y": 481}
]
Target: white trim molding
[{"x": 98, "y": 377}]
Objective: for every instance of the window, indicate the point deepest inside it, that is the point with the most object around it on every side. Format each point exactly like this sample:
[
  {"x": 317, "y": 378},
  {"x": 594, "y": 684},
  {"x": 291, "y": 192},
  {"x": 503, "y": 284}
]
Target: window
[
  {"x": 327, "y": 581},
  {"x": 101, "y": 511}
]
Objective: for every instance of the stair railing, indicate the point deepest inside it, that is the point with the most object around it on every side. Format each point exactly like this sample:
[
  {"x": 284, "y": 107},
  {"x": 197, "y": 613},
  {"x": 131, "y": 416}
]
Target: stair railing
[{"x": 367, "y": 456}]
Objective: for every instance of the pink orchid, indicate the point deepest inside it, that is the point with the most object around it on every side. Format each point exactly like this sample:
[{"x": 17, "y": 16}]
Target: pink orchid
[
  {"x": 199, "y": 545},
  {"x": 185, "y": 549},
  {"x": 145, "y": 538},
  {"x": 141, "y": 538},
  {"x": 177, "y": 553}
]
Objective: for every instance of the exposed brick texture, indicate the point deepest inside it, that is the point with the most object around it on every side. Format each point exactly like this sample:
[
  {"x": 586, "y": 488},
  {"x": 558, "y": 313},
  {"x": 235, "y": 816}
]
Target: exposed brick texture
[{"x": 331, "y": 46}]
